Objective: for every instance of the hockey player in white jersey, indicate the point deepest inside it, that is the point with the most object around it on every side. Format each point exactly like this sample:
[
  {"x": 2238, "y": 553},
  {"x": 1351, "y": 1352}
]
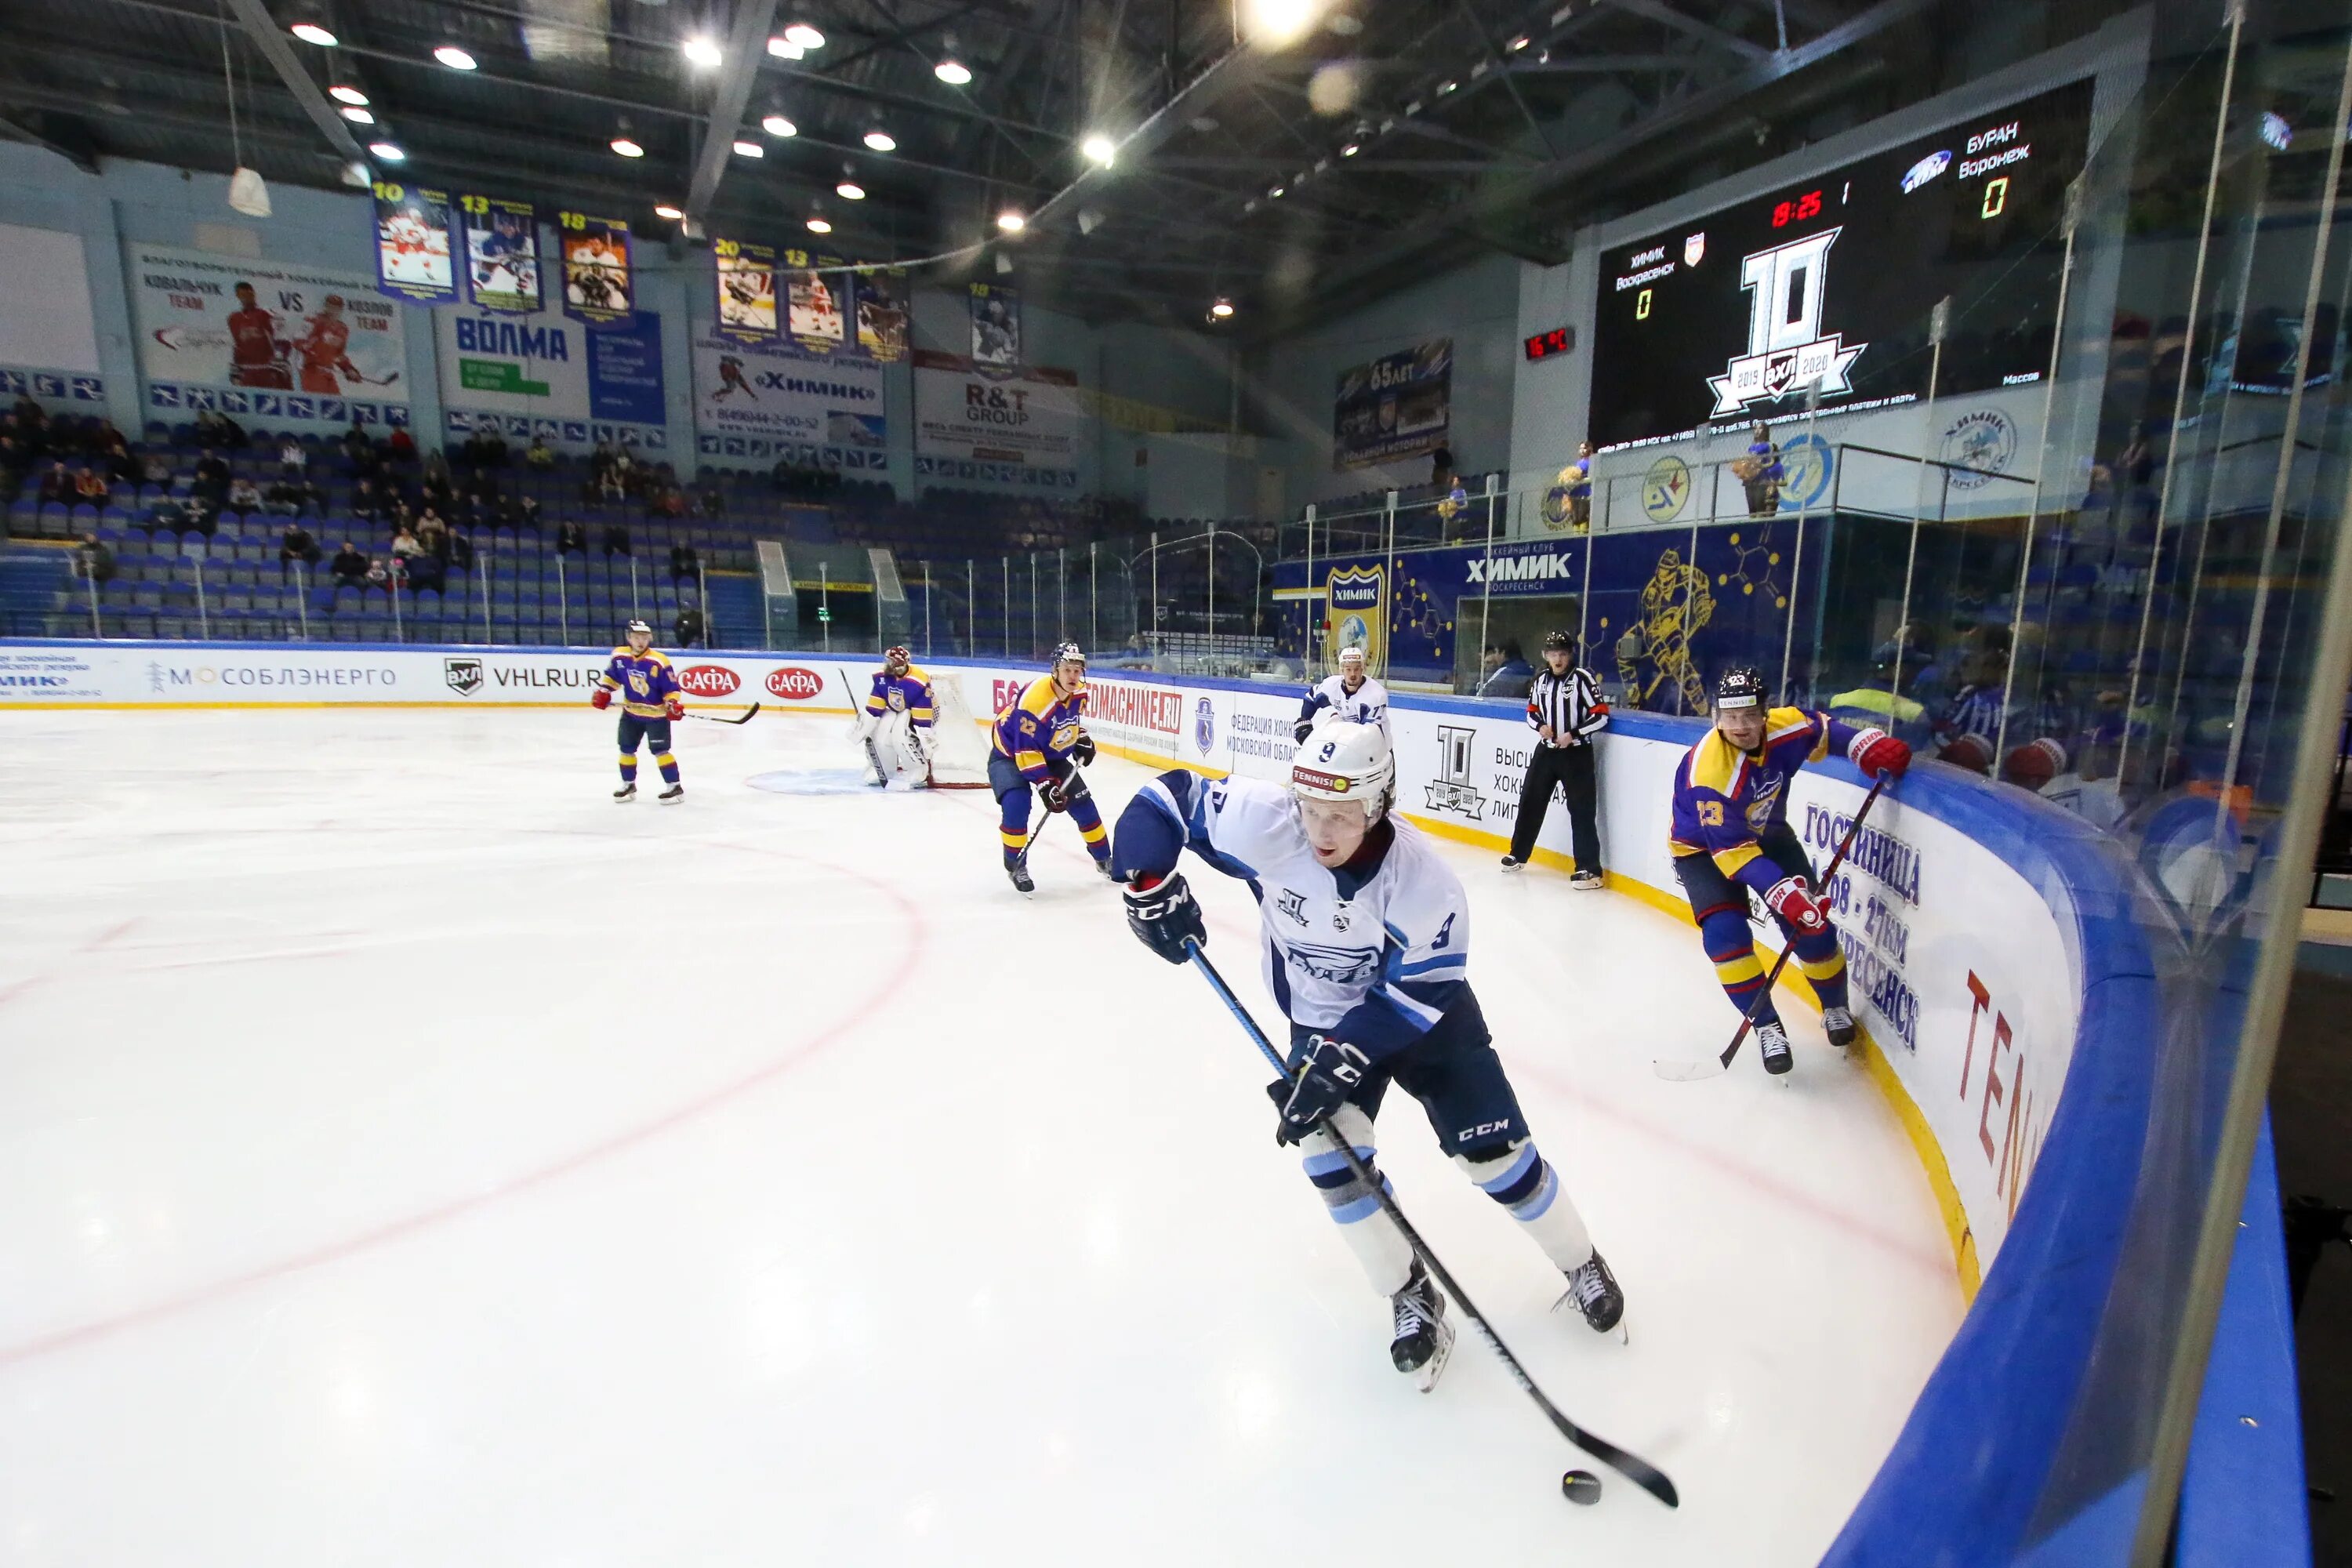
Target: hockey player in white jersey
[
  {"x": 1366, "y": 948},
  {"x": 1352, "y": 694}
]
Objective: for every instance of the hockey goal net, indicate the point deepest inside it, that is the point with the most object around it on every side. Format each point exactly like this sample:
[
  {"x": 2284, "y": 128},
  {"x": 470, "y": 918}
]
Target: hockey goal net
[{"x": 958, "y": 746}]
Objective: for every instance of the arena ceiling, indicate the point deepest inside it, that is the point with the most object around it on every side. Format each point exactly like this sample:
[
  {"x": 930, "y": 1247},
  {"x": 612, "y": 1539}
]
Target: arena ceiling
[{"x": 1386, "y": 138}]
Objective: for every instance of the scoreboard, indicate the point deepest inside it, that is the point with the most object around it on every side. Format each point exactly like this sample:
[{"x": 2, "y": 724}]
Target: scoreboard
[{"x": 1830, "y": 282}]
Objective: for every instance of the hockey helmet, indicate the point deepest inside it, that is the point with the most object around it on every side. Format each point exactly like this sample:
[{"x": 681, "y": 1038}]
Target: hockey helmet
[
  {"x": 896, "y": 658},
  {"x": 1069, "y": 653},
  {"x": 635, "y": 627},
  {"x": 1348, "y": 656},
  {"x": 1346, "y": 760},
  {"x": 1740, "y": 687}
]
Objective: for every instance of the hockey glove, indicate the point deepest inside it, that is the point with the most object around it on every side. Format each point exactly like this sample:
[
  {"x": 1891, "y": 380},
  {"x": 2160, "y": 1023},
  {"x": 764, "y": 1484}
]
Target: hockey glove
[
  {"x": 1061, "y": 794},
  {"x": 1876, "y": 752},
  {"x": 601, "y": 697},
  {"x": 1332, "y": 1071},
  {"x": 1082, "y": 751},
  {"x": 1300, "y": 731},
  {"x": 1163, "y": 917},
  {"x": 675, "y": 708},
  {"x": 1807, "y": 913}
]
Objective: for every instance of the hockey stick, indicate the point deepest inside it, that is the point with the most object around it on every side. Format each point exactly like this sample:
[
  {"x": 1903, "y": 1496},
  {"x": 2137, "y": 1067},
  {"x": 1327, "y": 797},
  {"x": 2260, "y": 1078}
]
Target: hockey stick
[
  {"x": 1640, "y": 1471},
  {"x": 1692, "y": 1072},
  {"x": 745, "y": 719}
]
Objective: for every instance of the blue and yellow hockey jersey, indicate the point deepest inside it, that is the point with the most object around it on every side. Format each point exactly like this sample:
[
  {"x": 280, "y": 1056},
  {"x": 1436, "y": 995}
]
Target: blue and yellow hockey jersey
[
  {"x": 1726, "y": 799},
  {"x": 644, "y": 679},
  {"x": 1039, "y": 723},
  {"x": 909, "y": 693}
]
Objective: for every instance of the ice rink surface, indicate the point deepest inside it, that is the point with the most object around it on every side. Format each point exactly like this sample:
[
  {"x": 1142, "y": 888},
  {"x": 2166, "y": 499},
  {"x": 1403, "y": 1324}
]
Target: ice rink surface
[{"x": 409, "y": 1156}]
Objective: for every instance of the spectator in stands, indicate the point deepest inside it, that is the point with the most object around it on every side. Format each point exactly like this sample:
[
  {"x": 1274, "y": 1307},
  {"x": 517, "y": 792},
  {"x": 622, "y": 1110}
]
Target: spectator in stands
[
  {"x": 713, "y": 500},
  {"x": 211, "y": 476},
  {"x": 405, "y": 544},
  {"x": 202, "y": 515},
  {"x": 15, "y": 462},
  {"x": 608, "y": 486},
  {"x": 218, "y": 429},
  {"x": 291, "y": 459},
  {"x": 460, "y": 549},
  {"x": 439, "y": 494},
  {"x": 88, "y": 487},
  {"x": 122, "y": 468},
  {"x": 93, "y": 560},
  {"x": 433, "y": 533},
  {"x": 24, "y": 410},
  {"x": 156, "y": 469},
  {"x": 571, "y": 538},
  {"x": 617, "y": 539},
  {"x": 539, "y": 455},
  {"x": 601, "y": 457},
  {"x": 683, "y": 562},
  {"x": 400, "y": 447},
  {"x": 367, "y": 503},
  {"x": 474, "y": 452},
  {"x": 357, "y": 448},
  {"x": 518, "y": 511},
  {"x": 296, "y": 544},
  {"x": 379, "y": 574},
  {"x": 495, "y": 448},
  {"x": 244, "y": 495},
  {"x": 425, "y": 571},
  {"x": 690, "y": 631},
  {"x": 668, "y": 501},
  {"x": 350, "y": 568},
  {"x": 283, "y": 497},
  {"x": 58, "y": 486}
]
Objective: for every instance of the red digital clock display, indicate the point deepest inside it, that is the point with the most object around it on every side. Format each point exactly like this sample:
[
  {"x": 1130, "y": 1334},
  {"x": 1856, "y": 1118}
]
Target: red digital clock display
[
  {"x": 1797, "y": 209},
  {"x": 1558, "y": 341}
]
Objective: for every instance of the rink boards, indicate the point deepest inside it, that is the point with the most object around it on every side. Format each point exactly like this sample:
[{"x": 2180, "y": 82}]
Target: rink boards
[{"x": 2005, "y": 990}]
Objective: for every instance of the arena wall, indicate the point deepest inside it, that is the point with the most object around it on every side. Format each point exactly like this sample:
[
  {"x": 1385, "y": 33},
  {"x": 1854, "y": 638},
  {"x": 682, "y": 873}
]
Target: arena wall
[{"x": 2006, "y": 992}]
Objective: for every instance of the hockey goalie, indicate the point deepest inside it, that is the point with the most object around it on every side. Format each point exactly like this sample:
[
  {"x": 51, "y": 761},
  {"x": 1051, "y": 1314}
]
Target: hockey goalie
[{"x": 915, "y": 732}]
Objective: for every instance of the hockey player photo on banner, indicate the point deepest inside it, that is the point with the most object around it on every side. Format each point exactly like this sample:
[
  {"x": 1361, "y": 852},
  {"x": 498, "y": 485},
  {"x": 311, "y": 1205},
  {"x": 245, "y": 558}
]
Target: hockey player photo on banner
[
  {"x": 882, "y": 312},
  {"x": 814, "y": 300},
  {"x": 272, "y": 328},
  {"x": 745, "y": 274},
  {"x": 597, "y": 285},
  {"x": 995, "y": 327},
  {"x": 412, "y": 244},
  {"x": 502, "y": 254}
]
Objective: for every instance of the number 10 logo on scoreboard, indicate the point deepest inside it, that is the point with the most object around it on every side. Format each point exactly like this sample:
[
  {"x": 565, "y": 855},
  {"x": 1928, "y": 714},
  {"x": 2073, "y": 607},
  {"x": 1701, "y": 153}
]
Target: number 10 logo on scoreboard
[{"x": 1786, "y": 346}]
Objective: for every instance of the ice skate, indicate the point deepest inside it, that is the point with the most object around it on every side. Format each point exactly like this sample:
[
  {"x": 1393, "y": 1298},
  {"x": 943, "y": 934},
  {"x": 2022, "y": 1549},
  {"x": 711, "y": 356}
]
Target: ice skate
[
  {"x": 627, "y": 792},
  {"x": 1512, "y": 863},
  {"x": 1423, "y": 1338},
  {"x": 673, "y": 795},
  {"x": 1772, "y": 1044},
  {"x": 1839, "y": 1023},
  {"x": 1019, "y": 871},
  {"x": 1585, "y": 881},
  {"x": 1594, "y": 1290}
]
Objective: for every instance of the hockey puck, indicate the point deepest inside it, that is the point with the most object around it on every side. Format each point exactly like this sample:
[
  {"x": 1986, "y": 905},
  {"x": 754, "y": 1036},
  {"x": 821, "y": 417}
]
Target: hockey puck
[{"x": 1580, "y": 1487}]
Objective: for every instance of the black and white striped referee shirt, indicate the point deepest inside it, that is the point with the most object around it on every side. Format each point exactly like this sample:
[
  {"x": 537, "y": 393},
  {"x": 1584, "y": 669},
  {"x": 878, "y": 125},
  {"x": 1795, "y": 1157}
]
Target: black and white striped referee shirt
[{"x": 1572, "y": 704}]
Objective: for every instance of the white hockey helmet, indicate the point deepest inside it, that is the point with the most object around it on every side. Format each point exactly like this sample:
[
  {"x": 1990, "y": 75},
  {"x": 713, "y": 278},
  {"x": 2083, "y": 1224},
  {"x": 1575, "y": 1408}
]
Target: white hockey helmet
[
  {"x": 1348, "y": 656},
  {"x": 1346, "y": 760}
]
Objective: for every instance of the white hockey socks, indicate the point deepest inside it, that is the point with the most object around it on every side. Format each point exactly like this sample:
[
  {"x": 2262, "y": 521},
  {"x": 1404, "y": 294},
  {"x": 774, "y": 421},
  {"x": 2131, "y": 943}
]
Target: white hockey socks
[
  {"x": 1524, "y": 1183},
  {"x": 1378, "y": 1246}
]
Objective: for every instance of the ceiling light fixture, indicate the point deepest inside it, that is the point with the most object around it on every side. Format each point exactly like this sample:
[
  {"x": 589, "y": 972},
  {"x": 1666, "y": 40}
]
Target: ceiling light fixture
[
  {"x": 1275, "y": 193},
  {"x": 1443, "y": 88},
  {"x": 626, "y": 148},
  {"x": 1100, "y": 149},
  {"x": 881, "y": 141},
  {"x": 455, "y": 58},
  {"x": 1518, "y": 43},
  {"x": 850, "y": 191},
  {"x": 356, "y": 115},
  {"x": 778, "y": 126},
  {"x": 804, "y": 35},
  {"x": 819, "y": 226},
  {"x": 344, "y": 92},
  {"x": 1011, "y": 222},
  {"x": 955, "y": 73},
  {"x": 311, "y": 33},
  {"x": 1223, "y": 309},
  {"x": 388, "y": 151},
  {"x": 1276, "y": 24},
  {"x": 701, "y": 53},
  {"x": 783, "y": 48},
  {"x": 672, "y": 213},
  {"x": 1351, "y": 149},
  {"x": 750, "y": 150}
]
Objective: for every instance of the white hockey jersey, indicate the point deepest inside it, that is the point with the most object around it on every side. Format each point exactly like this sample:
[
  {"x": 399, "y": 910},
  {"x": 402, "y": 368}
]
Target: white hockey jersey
[
  {"x": 1368, "y": 704},
  {"x": 1376, "y": 963}
]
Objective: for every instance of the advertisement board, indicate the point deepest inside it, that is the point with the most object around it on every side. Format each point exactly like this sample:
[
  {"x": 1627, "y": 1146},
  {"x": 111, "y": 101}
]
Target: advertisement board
[
  {"x": 545, "y": 373},
  {"x": 1023, "y": 425},
  {"x": 773, "y": 400},
  {"x": 1399, "y": 405},
  {"x": 265, "y": 340}
]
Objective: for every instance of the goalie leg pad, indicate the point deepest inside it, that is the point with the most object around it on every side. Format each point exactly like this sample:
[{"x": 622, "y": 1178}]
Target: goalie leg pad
[{"x": 1370, "y": 1235}]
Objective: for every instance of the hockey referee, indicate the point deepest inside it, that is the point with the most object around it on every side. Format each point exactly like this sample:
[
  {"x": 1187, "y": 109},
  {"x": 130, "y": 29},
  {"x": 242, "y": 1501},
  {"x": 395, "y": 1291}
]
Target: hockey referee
[{"x": 1566, "y": 709}]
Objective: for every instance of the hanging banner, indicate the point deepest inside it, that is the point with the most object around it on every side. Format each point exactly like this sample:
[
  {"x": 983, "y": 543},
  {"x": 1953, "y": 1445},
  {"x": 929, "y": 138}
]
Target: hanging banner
[
  {"x": 598, "y": 284},
  {"x": 772, "y": 400},
  {"x": 543, "y": 374},
  {"x": 502, "y": 254},
  {"x": 882, "y": 312},
  {"x": 995, "y": 327},
  {"x": 1399, "y": 405},
  {"x": 746, "y": 278},
  {"x": 816, "y": 295},
  {"x": 245, "y": 335},
  {"x": 412, "y": 244},
  {"x": 1025, "y": 427}
]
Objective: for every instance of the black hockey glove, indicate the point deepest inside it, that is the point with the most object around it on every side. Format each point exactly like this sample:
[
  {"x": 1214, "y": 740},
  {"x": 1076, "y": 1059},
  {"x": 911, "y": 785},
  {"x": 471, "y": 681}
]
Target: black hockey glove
[
  {"x": 1333, "y": 1070},
  {"x": 1083, "y": 750},
  {"x": 1163, "y": 917},
  {"x": 1300, "y": 731},
  {"x": 1061, "y": 794}
]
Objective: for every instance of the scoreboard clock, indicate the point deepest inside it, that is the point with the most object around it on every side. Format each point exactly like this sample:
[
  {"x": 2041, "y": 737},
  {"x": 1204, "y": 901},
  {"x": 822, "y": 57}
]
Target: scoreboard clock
[
  {"x": 1558, "y": 341},
  {"x": 1828, "y": 282}
]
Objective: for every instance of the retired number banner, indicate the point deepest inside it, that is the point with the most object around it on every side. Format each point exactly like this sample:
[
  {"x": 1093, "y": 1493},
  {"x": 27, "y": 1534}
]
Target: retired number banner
[
  {"x": 502, "y": 254},
  {"x": 598, "y": 284},
  {"x": 412, "y": 244},
  {"x": 745, "y": 274}
]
